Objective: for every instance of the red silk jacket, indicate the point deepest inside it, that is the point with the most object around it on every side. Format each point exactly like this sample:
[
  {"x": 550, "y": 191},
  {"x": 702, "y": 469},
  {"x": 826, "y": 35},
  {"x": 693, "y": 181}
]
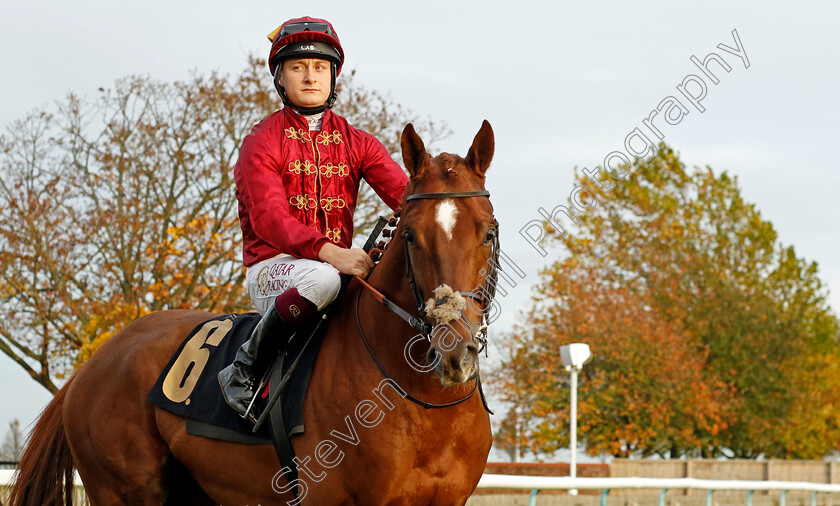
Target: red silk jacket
[{"x": 297, "y": 189}]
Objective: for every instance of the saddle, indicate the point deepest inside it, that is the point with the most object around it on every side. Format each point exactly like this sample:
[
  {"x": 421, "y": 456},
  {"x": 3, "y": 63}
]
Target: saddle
[{"x": 188, "y": 385}]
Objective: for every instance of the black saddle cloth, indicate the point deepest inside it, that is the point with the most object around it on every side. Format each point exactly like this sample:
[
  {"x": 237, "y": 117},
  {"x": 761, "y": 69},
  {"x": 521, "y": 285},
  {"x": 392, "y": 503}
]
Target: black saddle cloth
[{"x": 189, "y": 387}]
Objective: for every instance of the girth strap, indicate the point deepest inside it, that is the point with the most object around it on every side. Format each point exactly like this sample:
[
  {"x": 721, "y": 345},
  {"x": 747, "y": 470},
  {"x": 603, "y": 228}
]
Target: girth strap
[{"x": 282, "y": 445}]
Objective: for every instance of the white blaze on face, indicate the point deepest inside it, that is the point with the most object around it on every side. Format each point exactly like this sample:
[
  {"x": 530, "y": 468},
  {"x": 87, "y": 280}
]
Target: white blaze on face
[{"x": 445, "y": 214}]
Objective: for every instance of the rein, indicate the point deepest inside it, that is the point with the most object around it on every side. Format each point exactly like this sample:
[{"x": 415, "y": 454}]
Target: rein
[
  {"x": 415, "y": 400},
  {"x": 420, "y": 324}
]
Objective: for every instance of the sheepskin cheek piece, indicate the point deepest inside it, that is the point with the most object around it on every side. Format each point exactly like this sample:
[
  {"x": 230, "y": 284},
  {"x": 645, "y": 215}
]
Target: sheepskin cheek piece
[{"x": 454, "y": 303}]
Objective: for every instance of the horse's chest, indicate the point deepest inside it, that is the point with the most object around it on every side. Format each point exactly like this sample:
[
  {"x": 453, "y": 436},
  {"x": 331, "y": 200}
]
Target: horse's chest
[
  {"x": 401, "y": 460},
  {"x": 368, "y": 445}
]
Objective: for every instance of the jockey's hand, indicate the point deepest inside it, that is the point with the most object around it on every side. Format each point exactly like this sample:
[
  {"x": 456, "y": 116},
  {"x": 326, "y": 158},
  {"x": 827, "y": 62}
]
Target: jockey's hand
[{"x": 348, "y": 261}]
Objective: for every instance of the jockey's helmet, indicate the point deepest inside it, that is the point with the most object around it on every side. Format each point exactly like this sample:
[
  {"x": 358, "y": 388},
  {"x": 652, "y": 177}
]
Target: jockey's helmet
[{"x": 305, "y": 37}]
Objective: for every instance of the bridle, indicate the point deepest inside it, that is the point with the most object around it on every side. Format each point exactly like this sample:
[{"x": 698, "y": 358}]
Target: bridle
[{"x": 487, "y": 291}]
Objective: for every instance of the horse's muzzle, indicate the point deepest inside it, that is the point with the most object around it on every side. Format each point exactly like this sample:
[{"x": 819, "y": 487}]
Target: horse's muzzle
[{"x": 458, "y": 366}]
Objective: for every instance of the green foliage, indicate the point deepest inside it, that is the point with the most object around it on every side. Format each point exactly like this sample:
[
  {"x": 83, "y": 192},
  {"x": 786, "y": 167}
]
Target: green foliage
[{"x": 709, "y": 337}]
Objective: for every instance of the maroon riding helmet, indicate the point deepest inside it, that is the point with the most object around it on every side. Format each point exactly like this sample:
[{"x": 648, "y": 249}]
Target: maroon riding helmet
[{"x": 305, "y": 37}]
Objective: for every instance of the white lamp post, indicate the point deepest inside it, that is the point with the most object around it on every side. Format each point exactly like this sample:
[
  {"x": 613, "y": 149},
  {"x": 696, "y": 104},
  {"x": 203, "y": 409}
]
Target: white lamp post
[
  {"x": 516, "y": 456},
  {"x": 573, "y": 357}
]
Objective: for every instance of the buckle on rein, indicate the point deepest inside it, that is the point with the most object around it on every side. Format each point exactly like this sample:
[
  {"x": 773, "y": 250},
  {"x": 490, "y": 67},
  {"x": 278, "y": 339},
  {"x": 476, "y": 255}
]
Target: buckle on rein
[{"x": 481, "y": 337}]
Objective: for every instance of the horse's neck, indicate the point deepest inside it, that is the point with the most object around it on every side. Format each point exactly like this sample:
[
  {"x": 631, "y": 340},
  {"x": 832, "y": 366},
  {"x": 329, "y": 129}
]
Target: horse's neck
[
  {"x": 387, "y": 333},
  {"x": 391, "y": 279}
]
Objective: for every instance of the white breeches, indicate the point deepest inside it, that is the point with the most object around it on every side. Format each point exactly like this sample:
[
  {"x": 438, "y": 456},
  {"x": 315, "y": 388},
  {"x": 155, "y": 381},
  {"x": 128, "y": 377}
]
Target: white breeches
[{"x": 317, "y": 282}]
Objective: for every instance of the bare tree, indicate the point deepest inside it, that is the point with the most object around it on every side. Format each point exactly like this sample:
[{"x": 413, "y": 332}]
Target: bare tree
[
  {"x": 13, "y": 443},
  {"x": 123, "y": 205}
]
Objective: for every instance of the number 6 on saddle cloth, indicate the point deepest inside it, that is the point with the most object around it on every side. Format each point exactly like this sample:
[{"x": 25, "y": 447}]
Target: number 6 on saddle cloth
[{"x": 188, "y": 387}]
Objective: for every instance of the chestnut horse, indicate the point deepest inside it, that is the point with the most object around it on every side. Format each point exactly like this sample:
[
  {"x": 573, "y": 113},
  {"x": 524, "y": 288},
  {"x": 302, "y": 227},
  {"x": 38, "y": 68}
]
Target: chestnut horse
[{"x": 365, "y": 442}]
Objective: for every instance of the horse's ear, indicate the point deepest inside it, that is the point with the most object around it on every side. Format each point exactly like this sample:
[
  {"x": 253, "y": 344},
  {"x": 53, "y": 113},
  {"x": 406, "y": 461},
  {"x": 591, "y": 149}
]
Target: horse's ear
[
  {"x": 481, "y": 151},
  {"x": 413, "y": 151}
]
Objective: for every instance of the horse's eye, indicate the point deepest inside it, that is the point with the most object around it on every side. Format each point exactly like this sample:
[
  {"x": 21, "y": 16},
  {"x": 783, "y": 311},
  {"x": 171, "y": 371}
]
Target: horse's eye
[
  {"x": 490, "y": 237},
  {"x": 408, "y": 235}
]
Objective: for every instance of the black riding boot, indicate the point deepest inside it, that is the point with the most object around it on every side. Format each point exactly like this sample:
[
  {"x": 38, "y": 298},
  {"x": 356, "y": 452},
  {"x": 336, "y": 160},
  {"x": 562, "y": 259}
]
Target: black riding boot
[{"x": 240, "y": 380}]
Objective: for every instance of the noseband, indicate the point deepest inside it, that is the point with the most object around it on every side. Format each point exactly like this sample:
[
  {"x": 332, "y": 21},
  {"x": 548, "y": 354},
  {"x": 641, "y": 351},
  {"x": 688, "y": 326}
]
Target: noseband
[{"x": 420, "y": 323}]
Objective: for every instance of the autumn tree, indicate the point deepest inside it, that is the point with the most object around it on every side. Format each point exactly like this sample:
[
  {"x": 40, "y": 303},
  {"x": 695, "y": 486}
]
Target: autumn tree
[
  {"x": 12, "y": 445},
  {"x": 125, "y": 204},
  {"x": 709, "y": 337}
]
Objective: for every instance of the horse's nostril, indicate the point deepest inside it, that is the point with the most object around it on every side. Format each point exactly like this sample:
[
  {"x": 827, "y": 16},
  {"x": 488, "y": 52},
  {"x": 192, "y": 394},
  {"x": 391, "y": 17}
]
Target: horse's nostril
[
  {"x": 431, "y": 356},
  {"x": 469, "y": 358}
]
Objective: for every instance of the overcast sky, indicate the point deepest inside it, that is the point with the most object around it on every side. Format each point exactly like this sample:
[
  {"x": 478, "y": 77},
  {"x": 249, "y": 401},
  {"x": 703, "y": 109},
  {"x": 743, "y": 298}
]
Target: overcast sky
[{"x": 561, "y": 83}]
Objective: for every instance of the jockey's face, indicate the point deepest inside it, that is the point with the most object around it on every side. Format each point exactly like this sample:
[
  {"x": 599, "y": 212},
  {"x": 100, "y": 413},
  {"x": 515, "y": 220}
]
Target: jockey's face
[{"x": 308, "y": 81}]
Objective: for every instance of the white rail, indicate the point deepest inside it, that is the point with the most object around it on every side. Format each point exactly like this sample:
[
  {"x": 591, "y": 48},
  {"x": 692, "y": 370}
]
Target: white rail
[
  {"x": 537, "y": 483},
  {"x": 7, "y": 478},
  {"x": 565, "y": 483}
]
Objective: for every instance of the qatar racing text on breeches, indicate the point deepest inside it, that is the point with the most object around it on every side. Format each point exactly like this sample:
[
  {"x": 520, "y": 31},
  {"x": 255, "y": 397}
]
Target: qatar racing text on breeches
[{"x": 317, "y": 282}]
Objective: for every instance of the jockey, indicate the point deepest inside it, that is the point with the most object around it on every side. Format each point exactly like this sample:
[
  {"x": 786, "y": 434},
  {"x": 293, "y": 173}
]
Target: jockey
[{"x": 297, "y": 178}]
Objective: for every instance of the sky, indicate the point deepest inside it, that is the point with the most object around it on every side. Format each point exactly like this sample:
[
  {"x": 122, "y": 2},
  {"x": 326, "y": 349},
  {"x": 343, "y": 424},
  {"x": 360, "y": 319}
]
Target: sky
[{"x": 562, "y": 84}]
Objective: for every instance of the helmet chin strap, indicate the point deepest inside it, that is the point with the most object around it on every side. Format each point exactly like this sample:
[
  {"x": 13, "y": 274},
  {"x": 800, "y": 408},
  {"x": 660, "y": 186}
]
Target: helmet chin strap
[{"x": 305, "y": 110}]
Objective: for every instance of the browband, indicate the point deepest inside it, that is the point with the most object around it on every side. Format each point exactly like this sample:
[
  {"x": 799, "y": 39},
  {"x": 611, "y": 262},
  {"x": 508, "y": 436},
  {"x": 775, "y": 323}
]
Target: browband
[{"x": 446, "y": 195}]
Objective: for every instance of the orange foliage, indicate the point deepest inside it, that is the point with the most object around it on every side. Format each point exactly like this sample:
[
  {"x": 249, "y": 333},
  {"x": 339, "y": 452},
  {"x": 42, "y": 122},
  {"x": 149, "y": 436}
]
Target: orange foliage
[
  {"x": 126, "y": 205},
  {"x": 709, "y": 338}
]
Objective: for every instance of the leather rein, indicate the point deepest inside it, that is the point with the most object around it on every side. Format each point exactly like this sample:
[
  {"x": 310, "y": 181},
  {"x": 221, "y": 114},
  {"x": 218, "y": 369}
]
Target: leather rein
[{"x": 420, "y": 323}]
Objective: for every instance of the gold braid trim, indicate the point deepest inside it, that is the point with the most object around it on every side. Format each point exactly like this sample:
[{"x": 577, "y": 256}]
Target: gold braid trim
[
  {"x": 334, "y": 235},
  {"x": 330, "y": 170},
  {"x": 298, "y": 134},
  {"x": 307, "y": 167},
  {"x": 303, "y": 201},
  {"x": 328, "y": 137},
  {"x": 328, "y": 203}
]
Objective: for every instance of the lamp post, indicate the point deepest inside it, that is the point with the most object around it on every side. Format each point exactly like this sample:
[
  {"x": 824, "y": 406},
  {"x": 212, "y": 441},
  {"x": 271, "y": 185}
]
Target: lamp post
[
  {"x": 518, "y": 411},
  {"x": 573, "y": 357}
]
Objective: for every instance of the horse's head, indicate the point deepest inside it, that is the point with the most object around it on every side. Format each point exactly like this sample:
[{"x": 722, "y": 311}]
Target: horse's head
[{"x": 451, "y": 238}]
